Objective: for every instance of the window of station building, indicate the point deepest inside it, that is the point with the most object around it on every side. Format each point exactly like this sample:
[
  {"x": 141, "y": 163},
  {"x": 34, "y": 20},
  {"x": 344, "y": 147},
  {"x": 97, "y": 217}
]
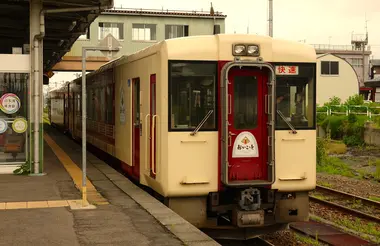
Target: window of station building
[
  {"x": 329, "y": 68},
  {"x": 85, "y": 36},
  {"x": 216, "y": 29},
  {"x": 192, "y": 93},
  {"x": 295, "y": 99},
  {"x": 144, "y": 32},
  {"x": 116, "y": 29},
  {"x": 176, "y": 31}
]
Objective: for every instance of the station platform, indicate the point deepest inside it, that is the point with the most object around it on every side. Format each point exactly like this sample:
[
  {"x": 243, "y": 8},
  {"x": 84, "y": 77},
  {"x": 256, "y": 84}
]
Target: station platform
[{"x": 44, "y": 210}]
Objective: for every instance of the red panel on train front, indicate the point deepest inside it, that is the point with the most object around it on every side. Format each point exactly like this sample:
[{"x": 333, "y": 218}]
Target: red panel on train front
[{"x": 247, "y": 130}]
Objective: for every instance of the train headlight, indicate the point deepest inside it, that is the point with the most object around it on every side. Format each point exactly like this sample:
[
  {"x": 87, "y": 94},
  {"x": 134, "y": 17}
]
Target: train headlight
[
  {"x": 253, "y": 50},
  {"x": 239, "y": 49}
]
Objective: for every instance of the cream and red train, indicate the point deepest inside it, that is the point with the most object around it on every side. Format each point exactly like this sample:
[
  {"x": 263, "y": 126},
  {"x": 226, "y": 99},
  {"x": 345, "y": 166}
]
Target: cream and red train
[{"x": 223, "y": 127}]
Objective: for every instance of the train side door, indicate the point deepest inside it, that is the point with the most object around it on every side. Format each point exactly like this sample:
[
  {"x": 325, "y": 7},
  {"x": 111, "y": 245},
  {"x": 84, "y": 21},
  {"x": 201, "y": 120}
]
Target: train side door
[
  {"x": 136, "y": 127},
  {"x": 247, "y": 128},
  {"x": 152, "y": 127}
]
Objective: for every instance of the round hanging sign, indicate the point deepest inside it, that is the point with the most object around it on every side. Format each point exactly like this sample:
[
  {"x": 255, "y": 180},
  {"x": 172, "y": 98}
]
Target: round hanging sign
[
  {"x": 3, "y": 126},
  {"x": 19, "y": 125},
  {"x": 10, "y": 103}
]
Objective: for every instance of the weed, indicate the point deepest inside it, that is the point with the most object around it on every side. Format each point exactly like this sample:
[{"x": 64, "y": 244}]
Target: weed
[
  {"x": 374, "y": 198},
  {"x": 359, "y": 226},
  {"x": 377, "y": 172},
  {"x": 334, "y": 165},
  {"x": 306, "y": 240},
  {"x": 325, "y": 184}
]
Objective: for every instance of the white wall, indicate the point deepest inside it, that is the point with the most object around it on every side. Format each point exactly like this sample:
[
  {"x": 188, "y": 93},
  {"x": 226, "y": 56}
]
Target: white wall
[{"x": 343, "y": 85}]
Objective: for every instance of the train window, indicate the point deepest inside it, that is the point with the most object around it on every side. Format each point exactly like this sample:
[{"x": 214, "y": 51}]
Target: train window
[
  {"x": 245, "y": 102},
  {"x": 192, "y": 95},
  {"x": 295, "y": 99}
]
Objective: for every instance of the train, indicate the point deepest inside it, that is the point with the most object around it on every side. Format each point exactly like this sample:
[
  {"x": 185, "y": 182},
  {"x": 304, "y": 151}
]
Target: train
[{"x": 221, "y": 127}]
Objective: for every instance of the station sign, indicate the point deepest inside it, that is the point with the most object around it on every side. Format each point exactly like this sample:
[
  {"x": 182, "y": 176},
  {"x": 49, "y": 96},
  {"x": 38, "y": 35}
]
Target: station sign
[{"x": 286, "y": 70}]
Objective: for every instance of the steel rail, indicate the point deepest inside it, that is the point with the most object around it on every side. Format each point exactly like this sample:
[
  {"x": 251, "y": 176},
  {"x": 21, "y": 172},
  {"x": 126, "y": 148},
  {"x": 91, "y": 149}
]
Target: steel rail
[
  {"x": 346, "y": 209},
  {"x": 350, "y": 196}
]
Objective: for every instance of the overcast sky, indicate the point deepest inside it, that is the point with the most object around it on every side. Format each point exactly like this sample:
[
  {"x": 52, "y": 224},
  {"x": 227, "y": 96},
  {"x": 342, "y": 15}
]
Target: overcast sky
[{"x": 311, "y": 20}]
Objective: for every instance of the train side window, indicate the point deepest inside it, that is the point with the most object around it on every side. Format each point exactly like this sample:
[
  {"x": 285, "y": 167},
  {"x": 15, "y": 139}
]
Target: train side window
[
  {"x": 192, "y": 95},
  {"x": 296, "y": 99}
]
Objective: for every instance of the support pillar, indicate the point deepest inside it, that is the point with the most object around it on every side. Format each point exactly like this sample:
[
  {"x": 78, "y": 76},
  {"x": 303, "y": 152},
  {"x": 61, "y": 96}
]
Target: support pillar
[{"x": 35, "y": 89}]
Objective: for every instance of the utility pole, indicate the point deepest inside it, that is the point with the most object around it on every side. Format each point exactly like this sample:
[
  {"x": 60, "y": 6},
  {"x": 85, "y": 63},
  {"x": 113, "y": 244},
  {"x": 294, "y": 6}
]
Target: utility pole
[{"x": 270, "y": 19}]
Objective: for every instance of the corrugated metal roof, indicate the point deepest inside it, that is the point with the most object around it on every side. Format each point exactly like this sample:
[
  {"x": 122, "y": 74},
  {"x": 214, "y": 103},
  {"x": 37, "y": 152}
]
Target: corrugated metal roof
[
  {"x": 375, "y": 62},
  {"x": 173, "y": 13}
]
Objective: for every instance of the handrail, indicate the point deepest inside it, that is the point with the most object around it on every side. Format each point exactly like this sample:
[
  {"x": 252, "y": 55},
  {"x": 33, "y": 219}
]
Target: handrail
[
  {"x": 146, "y": 141},
  {"x": 153, "y": 160}
]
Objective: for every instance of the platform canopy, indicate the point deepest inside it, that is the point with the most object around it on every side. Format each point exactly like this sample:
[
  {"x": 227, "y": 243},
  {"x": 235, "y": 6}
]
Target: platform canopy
[{"x": 61, "y": 29}]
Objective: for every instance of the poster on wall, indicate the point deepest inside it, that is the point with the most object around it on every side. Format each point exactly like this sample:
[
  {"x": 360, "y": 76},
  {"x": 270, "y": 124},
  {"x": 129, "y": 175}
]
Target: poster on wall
[
  {"x": 10, "y": 103},
  {"x": 3, "y": 126},
  {"x": 20, "y": 125}
]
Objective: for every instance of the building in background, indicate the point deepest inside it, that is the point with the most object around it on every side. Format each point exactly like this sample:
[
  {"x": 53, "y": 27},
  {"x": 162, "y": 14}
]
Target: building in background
[
  {"x": 335, "y": 77},
  {"x": 136, "y": 29},
  {"x": 357, "y": 54}
]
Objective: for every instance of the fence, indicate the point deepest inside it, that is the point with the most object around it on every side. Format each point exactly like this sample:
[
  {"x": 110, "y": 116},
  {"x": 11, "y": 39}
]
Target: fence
[{"x": 369, "y": 111}]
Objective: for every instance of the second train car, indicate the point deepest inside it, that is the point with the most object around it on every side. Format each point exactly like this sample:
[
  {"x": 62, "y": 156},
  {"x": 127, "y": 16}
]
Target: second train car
[{"x": 223, "y": 127}]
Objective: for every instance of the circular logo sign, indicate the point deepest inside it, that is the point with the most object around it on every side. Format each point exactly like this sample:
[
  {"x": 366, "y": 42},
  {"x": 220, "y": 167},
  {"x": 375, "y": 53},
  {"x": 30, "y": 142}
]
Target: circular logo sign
[
  {"x": 3, "y": 126},
  {"x": 10, "y": 103},
  {"x": 19, "y": 125}
]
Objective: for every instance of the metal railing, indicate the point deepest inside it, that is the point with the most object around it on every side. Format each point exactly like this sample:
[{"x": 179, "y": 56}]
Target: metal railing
[
  {"x": 338, "y": 47},
  {"x": 350, "y": 109},
  {"x": 164, "y": 11}
]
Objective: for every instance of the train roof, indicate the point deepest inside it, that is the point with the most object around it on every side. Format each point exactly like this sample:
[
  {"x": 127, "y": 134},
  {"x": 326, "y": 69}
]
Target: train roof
[{"x": 219, "y": 47}]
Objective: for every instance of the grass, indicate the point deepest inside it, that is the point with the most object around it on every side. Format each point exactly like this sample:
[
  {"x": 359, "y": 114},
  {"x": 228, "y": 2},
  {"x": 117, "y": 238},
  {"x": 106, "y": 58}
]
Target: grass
[
  {"x": 325, "y": 184},
  {"x": 359, "y": 226},
  {"x": 46, "y": 118},
  {"x": 377, "y": 172},
  {"x": 334, "y": 165},
  {"x": 335, "y": 147},
  {"x": 374, "y": 198},
  {"x": 306, "y": 240}
]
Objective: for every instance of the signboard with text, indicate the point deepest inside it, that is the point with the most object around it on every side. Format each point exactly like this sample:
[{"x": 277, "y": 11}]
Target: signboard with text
[{"x": 286, "y": 70}]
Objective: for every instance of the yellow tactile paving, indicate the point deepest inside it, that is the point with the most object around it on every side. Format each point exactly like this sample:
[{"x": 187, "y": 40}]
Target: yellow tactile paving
[
  {"x": 15, "y": 205},
  {"x": 37, "y": 204},
  {"x": 75, "y": 172},
  {"x": 56, "y": 204}
]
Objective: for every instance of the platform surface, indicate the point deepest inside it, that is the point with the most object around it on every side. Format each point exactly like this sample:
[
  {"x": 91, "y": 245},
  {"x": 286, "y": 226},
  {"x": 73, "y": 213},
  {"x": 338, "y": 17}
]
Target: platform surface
[{"x": 125, "y": 215}]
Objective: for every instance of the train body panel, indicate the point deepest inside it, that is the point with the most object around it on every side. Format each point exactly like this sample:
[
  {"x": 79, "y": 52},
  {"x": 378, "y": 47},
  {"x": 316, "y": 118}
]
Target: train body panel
[
  {"x": 297, "y": 173},
  {"x": 217, "y": 134}
]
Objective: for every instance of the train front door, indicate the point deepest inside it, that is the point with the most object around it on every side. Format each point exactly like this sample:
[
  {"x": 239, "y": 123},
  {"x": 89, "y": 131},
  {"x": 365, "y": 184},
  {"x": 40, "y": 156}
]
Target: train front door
[
  {"x": 136, "y": 128},
  {"x": 247, "y": 128}
]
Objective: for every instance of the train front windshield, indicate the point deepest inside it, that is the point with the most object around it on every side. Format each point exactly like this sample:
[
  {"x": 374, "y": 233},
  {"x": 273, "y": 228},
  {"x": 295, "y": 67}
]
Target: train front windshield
[
  {"x": 295, "y": 97},
  {"x": 192, "y": 90}
]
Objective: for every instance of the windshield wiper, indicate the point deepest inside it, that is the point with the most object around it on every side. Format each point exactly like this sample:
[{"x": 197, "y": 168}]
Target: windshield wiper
[
  {"x": 286, "y": 121},
  {"x": 202, "y": 122}
]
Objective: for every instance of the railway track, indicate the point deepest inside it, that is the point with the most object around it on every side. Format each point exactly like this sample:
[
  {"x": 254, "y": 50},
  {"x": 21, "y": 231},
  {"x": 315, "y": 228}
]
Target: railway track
[
  {"x": 354, "y": 205},
  {"x": 252, "y": 242}
]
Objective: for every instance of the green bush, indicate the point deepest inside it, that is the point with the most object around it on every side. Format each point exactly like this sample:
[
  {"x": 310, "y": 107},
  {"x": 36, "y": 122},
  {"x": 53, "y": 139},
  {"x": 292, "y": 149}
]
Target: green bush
[
  {"x": 321, "y": 151},
  {"x": 348, "y": 128}
]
